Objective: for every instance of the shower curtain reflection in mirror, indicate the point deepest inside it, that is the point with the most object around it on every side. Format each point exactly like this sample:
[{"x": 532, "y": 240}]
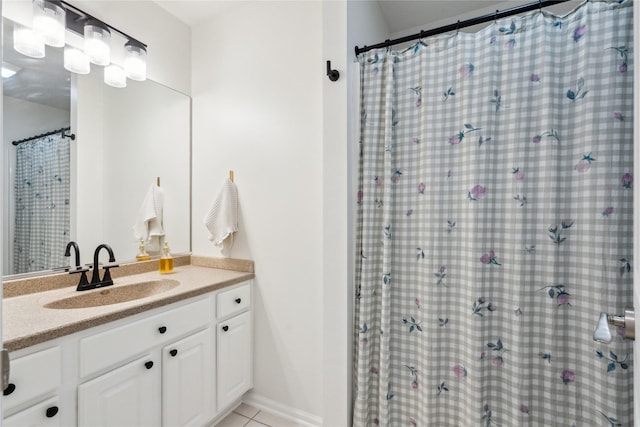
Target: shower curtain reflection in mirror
[
  {"x": 495, "y": 223},
  {"x": 41, "y": 204}
]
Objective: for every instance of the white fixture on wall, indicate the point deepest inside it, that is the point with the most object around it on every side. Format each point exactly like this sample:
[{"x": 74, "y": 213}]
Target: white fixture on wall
[{"x": 50, "y": 22}]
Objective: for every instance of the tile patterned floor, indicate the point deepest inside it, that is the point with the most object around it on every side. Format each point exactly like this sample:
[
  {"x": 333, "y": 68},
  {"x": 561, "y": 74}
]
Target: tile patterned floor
[{"x": 248, "y": 416}]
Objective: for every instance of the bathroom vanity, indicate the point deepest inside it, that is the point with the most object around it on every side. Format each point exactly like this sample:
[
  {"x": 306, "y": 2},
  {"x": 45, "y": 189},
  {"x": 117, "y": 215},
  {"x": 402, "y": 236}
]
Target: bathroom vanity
[{"x": 181, "y": 357}]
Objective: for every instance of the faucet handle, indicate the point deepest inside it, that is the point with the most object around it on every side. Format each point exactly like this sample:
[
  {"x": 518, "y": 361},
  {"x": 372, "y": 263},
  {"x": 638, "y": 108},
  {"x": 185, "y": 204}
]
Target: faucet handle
[{"x": 602, "y": 332}]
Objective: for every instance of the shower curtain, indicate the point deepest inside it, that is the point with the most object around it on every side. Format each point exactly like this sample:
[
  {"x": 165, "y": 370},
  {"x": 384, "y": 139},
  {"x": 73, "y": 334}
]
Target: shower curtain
[
  {"x": 495, "y": 223},
  {"x": 42, "y": 204}
]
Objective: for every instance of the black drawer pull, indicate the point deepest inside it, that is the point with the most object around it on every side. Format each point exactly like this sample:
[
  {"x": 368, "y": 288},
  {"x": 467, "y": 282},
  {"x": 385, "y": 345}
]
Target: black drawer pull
[
  {"x": 238, "y": 300},
  {"x": 10, "y": 389},
  {"x": 162, "y": 329},
  {"x": 225, "y": 328},
  {"x": 148, "y": 364},
  {"x": 173, "y": 352},
  {"x": 51, "y": 412}
]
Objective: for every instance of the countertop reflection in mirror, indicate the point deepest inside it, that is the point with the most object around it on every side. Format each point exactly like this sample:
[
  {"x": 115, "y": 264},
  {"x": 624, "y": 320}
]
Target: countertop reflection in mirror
[{"x": 125, "y": 139}]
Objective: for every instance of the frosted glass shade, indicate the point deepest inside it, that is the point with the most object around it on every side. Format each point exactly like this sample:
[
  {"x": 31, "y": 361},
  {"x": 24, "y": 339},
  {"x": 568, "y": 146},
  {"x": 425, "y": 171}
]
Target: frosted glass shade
[
  {"x": 28, "y": 42},
  {"x": 135, "y": 60},
  {"x": 49, "y": 20},
  {"x": 114, "y": 76},
  {"x": 76, "y": 61},
  {"x": 97, "y": 42}
]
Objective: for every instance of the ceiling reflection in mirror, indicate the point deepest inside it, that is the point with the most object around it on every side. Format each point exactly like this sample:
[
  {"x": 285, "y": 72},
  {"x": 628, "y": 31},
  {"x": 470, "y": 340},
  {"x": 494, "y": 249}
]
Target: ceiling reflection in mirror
[{"x": 125, "y": 140}]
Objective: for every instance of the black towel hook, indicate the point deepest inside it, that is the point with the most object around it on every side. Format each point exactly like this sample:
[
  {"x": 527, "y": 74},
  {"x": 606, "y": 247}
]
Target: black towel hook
[{"x": 333, "y": 75}]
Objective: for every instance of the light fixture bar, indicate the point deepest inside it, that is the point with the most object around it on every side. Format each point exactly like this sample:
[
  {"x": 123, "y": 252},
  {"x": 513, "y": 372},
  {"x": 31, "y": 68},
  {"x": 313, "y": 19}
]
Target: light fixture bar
[{"x": 76, "y": 18}]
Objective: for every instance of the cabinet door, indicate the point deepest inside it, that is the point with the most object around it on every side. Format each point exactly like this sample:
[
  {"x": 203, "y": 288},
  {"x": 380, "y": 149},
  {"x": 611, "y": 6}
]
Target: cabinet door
[
  {"x": 44, "y": 414},
  {"x": 126, "y": 396},
  {"x": 235, "y": 365},
  {"x": 187, "y": 381}
]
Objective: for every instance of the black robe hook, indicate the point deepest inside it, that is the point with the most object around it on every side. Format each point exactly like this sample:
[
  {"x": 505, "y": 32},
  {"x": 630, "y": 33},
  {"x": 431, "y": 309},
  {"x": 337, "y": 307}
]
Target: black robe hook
[{"x": 334, "y": 75}]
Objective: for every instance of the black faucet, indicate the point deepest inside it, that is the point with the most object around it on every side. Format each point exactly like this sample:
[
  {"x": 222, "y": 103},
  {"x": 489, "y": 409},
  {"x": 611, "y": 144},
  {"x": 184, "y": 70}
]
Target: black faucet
[
  {"x": 82, "y": 285},
  {"x": 106, "y": 280}
]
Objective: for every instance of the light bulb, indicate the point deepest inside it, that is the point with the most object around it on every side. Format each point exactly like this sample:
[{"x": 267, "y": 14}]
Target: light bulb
[
  {"x": 28, "y": 42},
  {"x": 97, "y": 42},
  {"x": 76, "y": 61},
  {"x": 114, "y": 76},
  {"x": 49, "y": 20},
  {"x": 135, "y": 60}
]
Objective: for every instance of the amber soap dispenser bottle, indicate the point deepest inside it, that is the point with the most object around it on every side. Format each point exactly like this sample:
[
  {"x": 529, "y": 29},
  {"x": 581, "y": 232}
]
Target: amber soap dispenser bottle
[{"x": 166, "y": 260}]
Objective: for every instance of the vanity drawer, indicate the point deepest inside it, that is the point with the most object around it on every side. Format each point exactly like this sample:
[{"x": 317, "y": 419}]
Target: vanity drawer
[
  {"x": 44, "y": 414},
  {"x": 233, "y": 301},
  {"x": 33, "y": 375},
  {"x": 112, "y": 347}
]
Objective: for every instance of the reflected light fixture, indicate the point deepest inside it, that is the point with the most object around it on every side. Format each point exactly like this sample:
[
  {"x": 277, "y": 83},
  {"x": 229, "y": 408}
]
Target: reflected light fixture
[
  {"x": 114, "y": 76},
  {"x": 28, "y": 42},
  {"x": 49, "y": 20},
  {"x": 135, "y": 60},
  {"x": 76, "y": 61},
  {"x": 97, "y": 42}
]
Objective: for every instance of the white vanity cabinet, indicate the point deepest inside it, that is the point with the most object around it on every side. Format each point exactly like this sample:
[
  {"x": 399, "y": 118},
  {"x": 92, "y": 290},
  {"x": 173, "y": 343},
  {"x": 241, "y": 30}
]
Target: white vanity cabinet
[
  {"x": 143, "y": 392},
  {"x": 32, "y": 397},
  {"x": 157, "y": 368},
  {"x": 234, "y": 336}
]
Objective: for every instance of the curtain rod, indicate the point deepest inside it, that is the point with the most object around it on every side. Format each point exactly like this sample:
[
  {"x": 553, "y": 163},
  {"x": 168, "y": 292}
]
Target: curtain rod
[
  {"x": 53, "y": 132},
  {"x": 462, "y": 24}
]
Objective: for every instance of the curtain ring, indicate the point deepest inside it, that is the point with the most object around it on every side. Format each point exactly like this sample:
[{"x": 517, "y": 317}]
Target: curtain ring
[
  {"x": 495, "y": 18},
  {"x": 540, "y": 8},
  {"x": 458, "y": 27}
]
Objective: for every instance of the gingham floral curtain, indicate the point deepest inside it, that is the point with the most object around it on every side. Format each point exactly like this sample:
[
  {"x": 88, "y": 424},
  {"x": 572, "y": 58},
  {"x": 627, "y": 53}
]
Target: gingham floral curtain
[
  {"x": 42, "y": 204},
  {"x": 495, "y": 224}
]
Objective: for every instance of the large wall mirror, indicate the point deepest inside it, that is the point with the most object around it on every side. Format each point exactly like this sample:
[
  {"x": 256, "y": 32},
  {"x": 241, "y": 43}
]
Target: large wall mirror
[{"x": 126, "y": 140}]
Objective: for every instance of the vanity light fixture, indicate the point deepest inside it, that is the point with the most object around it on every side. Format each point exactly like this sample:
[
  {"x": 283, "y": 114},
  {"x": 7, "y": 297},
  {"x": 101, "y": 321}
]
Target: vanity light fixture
[
  {"x": 28, "y": 42},
  {"x": 114, "y": 76},
  {"x": 49, "y": 20},
  {"x": 76, "y": 61}
]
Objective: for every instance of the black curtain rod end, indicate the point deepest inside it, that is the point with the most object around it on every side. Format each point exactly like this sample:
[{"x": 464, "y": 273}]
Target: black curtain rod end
[{"x": 333, "y": 75}]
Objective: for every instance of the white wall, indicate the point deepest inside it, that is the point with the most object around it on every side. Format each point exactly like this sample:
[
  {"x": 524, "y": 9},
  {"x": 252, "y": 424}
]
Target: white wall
[{"x": 257, "y": 109}]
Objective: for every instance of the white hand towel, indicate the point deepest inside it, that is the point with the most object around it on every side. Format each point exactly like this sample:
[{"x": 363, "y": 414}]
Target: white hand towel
[
  {"x": 222, "y": 217},
  {"x": 149, "y": 226}
]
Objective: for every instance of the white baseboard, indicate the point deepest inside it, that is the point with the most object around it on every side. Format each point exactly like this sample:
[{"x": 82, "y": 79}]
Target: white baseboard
[{"x": 297, "y": 416}]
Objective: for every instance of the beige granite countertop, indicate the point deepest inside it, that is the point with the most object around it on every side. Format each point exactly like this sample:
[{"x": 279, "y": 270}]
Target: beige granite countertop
[{"x": 27, "y": 322}]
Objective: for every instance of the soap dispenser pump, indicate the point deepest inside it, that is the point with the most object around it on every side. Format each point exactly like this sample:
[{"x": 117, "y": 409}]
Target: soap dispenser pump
[
  {"x": 166, "y": 260},
  {"x": 142, "y": 253}
]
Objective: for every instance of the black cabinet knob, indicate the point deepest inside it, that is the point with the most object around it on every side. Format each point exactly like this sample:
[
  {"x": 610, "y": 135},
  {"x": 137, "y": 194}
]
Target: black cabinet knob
[
  {"x": 162, "y": 329},
  {"x": 173, "y": 352},
  {"x": 148, "y": 364},
  {"x": 51, "y": 412},
  {"x": 238, "y": 300},
  {"x": 10, "y": 389},
  {"x": 225, "y": 328}
]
